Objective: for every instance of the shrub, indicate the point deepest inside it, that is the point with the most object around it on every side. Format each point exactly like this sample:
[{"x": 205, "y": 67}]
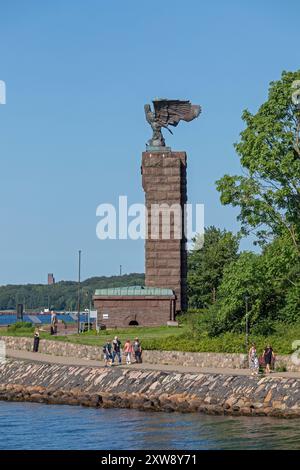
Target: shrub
[
  {"x": 263, "y": 328},
  {"x": 18, "y": 326},
  {"x": 280, "y": 368}
]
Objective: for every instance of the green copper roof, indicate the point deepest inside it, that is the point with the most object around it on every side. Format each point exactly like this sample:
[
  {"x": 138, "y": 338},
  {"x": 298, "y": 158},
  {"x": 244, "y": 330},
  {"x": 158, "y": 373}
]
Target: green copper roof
[{"x": 133, "y": 290}]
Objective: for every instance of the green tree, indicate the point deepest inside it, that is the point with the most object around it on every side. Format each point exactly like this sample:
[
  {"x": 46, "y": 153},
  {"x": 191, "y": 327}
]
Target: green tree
[
  {"x": 206, "y": 265},
  {"x": 270, "y": 283},
  {"x": 63, "y": 294},
  {"x": 242, "y": 278},
  {"x": 290, "y": 312},
  {"x": 282, "y": 270},
  {"x": 281, "y": 263},
  {"x": 268, "y": 193}
]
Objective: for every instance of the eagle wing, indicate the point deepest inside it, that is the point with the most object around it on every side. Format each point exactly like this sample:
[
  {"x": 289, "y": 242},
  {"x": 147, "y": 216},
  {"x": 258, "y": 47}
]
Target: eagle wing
[{"x": 170, "y": 112}]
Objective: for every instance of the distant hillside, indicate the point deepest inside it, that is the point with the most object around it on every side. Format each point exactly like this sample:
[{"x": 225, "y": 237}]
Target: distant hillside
[{"x": 62, "y": 295}]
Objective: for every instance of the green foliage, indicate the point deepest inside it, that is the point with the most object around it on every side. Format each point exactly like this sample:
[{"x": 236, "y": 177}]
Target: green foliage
[
  {"x": 242, "y": 279},
  {"x": 206, "y": 265},
  {"x": 290, "y": 312},
  {"x": 281, "y": 338},
  {"x": 21, "y": 327},
  {"x": 21, "y": 324},
  {"x": 282, "y": 273},
  {"x": 187, "y": 339},
  {"x": 62, "y": 295},
  {"x": 267, "y": 282},
  {"x": 280, "y": 368},
  {"x": 268, "y": 195},
  {"x": 263, "y": 328},
  {"x": 269, "y": 150}
]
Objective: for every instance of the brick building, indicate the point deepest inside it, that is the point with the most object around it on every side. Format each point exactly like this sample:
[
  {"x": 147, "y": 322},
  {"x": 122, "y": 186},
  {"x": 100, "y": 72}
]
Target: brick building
[
  {"x": 128, "y": 306},
  {"x": 51, "y": 279}
]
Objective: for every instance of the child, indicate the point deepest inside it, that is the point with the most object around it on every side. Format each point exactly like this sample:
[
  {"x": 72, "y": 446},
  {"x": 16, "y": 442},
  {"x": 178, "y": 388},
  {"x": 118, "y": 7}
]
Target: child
[
  {"x": 128, "y": 350},
  {"x": 107, "y": 354}
]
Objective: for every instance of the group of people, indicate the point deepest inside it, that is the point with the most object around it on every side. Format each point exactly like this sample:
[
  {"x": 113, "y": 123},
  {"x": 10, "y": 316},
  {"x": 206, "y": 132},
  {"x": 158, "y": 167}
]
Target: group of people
[
  {"x": 113, "y": 349},
  {"x": 266, "y": 360}
]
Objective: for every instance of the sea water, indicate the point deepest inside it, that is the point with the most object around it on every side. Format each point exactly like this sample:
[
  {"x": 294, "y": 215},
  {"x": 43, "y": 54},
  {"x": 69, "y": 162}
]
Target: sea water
[{"x": 38, "y": 426}]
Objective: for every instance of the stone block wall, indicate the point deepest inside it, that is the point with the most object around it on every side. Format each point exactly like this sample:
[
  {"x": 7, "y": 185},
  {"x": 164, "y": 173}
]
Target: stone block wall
[
  {"x": 55, "y": 348},
  {"x": 188, "y": 359}
]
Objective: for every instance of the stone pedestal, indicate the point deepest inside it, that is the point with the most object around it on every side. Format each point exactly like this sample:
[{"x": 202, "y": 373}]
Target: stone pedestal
[{"x": 164, "y": 183}]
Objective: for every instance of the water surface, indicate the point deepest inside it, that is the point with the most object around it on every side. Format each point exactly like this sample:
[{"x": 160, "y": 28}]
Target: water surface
[{"x": 37, "y": 426}]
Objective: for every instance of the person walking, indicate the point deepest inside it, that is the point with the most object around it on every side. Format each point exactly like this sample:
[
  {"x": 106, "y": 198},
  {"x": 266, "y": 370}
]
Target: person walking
[
  {"x": 128, "y": 350},
  {"x": 54, "y": 322},
  {"x": 137, "y": 351},
  {"x": 269, "y": 358},
  {"x": 107, "y": 353},
  {"x": 253, "y": 360},
  {"x": 36, "y": 340},
  {"x": 116, "y": 350}
]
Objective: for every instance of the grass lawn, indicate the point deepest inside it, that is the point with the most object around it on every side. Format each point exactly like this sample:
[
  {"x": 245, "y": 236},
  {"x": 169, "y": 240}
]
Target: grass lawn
[
  {"x": 182, "y": 338},
  {"x": 146, "y": 335}
]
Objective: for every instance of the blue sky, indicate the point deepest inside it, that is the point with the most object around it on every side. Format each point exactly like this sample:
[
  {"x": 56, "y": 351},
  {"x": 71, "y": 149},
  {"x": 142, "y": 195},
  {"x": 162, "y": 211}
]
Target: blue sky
[{"x": 71, "y": 134}]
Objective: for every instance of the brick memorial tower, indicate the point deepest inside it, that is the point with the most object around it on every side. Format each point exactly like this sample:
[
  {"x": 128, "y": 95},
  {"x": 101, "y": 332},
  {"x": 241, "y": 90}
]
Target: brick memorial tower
[{"x": 164, "y": 183}]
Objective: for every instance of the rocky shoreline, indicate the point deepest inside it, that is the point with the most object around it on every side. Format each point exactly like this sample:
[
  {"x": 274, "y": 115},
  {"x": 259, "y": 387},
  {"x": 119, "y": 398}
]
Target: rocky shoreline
[{"x": 150, "y": 390}]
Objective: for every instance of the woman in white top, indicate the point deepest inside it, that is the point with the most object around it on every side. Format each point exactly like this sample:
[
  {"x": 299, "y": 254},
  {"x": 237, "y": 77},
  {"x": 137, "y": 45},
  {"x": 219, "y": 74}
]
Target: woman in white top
[{"x": 253, "y": 360}]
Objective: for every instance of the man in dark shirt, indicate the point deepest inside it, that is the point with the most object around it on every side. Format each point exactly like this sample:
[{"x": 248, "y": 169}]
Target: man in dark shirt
[
  {"x": 268, "y": 358},
  {"x": 137, "y": 350},
  {"x": 116, "y": 350}
]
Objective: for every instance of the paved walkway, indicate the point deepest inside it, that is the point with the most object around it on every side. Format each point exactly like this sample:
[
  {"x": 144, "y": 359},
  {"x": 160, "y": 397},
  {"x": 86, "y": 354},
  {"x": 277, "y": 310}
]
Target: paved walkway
[{"x": 75, "y": 361}]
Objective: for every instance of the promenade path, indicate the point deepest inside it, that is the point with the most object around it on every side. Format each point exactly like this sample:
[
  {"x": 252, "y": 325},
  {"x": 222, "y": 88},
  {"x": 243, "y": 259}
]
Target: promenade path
[{"x": 75, "y": 361}]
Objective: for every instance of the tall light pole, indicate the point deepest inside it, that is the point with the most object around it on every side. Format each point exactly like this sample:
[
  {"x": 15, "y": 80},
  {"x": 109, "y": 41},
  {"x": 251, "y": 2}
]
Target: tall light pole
[
  {"x": 78, "y": 313},
  {"x": 247, "y": 321}
]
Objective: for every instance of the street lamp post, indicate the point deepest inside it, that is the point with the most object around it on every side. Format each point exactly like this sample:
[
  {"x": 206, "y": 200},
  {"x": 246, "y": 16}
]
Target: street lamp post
[
  {"x": 78, "y": 313},
  {"x": 247, "y": 322}
]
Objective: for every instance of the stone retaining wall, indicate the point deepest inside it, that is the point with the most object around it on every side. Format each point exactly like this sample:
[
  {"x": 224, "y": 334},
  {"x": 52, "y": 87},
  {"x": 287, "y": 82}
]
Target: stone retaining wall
[
  {"x": 60, "y": 348},
  {"x": 150, "y": 390},
  {"x": 231, "y": 361},
  {"x": 55, "y": 348},
  {"x": 207, "y": 359}
]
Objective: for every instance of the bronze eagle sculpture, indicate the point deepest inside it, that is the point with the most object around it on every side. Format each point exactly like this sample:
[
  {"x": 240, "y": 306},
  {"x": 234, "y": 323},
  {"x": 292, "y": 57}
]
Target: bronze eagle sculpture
[{"x": 168, "y": 113}]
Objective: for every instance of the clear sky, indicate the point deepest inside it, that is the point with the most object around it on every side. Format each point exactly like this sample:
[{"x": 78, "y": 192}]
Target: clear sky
[{"x": 78, "y": 73}]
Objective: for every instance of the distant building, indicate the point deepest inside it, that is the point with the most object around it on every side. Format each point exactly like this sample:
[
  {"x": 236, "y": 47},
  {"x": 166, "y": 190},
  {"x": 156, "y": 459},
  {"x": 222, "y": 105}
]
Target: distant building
[{"x": 51, "y": 279}]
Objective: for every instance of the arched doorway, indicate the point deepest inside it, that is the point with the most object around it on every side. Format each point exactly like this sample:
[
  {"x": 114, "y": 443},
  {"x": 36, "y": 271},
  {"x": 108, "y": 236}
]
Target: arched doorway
[{"x": 133, "y": 323}]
